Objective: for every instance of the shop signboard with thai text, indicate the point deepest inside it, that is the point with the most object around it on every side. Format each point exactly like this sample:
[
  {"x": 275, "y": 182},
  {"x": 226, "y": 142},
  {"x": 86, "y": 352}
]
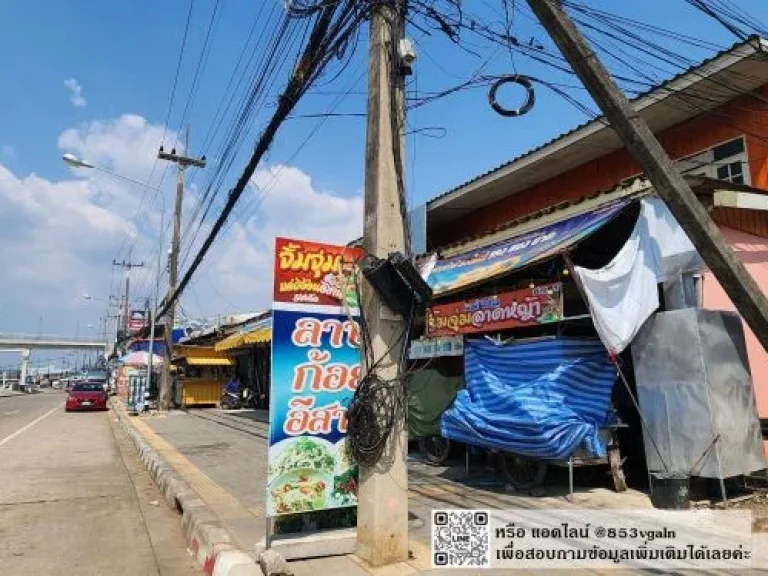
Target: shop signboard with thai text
[
  {"x": 314, "y": 273},
  {"x": 315, "y": 372},
  {"x": 428, "y": 348},
  {"x": 137, "y": 321},
  {"x": 527, "y": 307},
  {"x": 492, "y": 261}
]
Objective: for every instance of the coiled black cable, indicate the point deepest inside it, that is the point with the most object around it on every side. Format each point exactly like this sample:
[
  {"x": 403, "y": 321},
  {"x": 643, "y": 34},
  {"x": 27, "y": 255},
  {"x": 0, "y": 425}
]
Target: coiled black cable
[
  {"x": 377, "y": 404},
  {"x": 523, "y": 81}
]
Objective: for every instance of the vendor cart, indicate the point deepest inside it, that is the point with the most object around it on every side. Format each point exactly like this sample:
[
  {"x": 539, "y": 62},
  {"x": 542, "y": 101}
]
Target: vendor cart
[
  {"x": 525, "y": 473},
  {"x": 536, "y": 404}
]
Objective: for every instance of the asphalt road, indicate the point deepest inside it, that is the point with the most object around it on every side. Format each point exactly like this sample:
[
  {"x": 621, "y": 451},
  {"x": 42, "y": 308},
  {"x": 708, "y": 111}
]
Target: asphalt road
[{"x": 75, "y": 499}]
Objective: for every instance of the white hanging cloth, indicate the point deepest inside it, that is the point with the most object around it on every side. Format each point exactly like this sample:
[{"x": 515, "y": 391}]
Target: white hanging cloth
[{"x": 623, "y": 294}]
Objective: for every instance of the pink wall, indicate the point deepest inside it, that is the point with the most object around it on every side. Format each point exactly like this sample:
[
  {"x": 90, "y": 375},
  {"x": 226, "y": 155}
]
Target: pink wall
[{"x": 753, "y": 252}]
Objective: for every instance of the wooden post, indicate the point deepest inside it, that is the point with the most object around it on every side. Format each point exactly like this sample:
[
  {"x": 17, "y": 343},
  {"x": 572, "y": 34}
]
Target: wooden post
[{"x": 741, "y": 288}]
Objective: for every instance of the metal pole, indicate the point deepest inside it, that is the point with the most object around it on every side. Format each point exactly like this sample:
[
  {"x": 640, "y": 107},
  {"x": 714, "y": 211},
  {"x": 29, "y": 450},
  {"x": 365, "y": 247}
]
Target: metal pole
[{"x": 153, "y": 309}]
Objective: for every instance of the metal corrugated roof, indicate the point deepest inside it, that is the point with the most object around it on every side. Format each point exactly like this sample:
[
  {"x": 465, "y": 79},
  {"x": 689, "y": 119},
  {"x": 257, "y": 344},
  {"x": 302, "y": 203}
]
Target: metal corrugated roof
[
  {"x": 455, "y": 203},
  {"x": 636, "y": 187}
]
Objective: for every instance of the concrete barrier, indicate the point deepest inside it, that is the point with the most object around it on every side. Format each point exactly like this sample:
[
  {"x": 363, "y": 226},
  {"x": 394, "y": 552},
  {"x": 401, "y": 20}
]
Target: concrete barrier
[{"x": 209, "y": 541}]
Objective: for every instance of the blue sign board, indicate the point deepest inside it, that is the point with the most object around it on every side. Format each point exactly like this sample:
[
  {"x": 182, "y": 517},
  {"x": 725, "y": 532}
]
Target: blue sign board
[
  {"x": 495, "y": 260},
  {"x": 315, "y": 371}
]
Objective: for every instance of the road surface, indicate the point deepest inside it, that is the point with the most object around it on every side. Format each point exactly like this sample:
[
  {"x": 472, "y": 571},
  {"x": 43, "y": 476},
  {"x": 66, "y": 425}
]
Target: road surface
[{"x": 75, "y": 499}]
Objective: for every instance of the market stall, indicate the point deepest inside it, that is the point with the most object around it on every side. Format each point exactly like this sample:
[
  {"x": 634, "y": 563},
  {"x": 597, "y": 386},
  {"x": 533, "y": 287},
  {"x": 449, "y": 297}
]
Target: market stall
[
  {"x": 249, "y": 347},
  {"x": 547, "y": 316},
  {"x": 203, "y": 372}
]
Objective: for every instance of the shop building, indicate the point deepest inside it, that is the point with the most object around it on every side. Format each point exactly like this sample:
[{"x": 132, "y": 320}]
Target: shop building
[
  {"x": 249, "y": 347},
  {"x": 712, "y": 120}
]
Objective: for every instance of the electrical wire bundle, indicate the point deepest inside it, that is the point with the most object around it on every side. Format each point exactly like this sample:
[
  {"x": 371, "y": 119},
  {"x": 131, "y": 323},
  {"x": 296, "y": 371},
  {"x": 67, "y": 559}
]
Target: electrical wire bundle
[
  {"x": 335, "y": 27},
  {"x": 378, "y": 405},
  {"x": 450, "y": 18}
]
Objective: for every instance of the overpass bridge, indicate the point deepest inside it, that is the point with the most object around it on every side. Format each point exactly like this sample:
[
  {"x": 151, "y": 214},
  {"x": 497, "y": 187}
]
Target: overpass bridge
[
  {"x": 24, "y": 343},
  {"x": 16, "y": 342}
]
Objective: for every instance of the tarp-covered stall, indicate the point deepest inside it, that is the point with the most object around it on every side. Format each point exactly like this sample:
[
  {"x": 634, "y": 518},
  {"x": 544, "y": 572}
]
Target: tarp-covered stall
[
  {"x": 429, "y": 395},
  {"x": 539, "y": 399}
]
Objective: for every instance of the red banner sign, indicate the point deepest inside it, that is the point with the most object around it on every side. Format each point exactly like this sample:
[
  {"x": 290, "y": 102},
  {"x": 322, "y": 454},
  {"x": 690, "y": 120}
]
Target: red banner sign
[
  {"x": 527, "y": 307},
  {"x": 313, "y": 273},
  {"x": 137, "y": 321}
]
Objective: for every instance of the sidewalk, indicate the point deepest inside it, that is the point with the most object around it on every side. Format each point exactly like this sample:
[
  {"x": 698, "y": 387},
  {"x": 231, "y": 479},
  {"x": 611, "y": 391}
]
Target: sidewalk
[{"x": 222, "y": 457}]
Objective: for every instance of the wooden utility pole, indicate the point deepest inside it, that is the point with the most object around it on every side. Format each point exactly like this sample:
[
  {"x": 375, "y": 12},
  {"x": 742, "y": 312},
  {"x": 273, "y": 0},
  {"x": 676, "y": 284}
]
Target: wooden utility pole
[
  {"x": 382, "y": 513},
  {"x": 164, "y": 400},
  {"x": 741, "y": 288}
]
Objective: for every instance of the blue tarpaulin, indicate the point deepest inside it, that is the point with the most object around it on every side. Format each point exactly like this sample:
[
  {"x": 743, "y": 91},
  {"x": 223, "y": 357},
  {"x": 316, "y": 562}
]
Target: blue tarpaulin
[{"x": 539, "y": 399}]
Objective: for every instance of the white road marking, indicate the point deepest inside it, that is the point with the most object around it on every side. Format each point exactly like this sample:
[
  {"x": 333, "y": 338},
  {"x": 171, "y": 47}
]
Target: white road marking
[
  {"x": 11, "y": 413},
  {"x": 28, "y": 426}
]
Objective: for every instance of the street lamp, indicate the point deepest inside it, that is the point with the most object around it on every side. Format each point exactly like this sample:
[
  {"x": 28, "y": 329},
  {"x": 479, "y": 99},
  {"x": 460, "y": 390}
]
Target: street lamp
[{"x": 75, "y": 162}]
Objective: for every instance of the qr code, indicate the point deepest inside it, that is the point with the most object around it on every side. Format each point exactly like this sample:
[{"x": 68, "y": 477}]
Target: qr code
[{"x": 460, "y": 539}]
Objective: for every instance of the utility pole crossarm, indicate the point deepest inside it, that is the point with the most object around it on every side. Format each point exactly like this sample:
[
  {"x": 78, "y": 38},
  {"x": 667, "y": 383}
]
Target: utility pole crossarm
[
  {"x": 640, "y": 141},
  {"x": 182, "y": 160}
]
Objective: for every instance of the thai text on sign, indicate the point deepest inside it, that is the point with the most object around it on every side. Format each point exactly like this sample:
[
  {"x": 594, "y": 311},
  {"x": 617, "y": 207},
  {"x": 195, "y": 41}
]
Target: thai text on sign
[
  {"x": 525, "y": 307},
  {"x": 315, "y": 372},
  {"x": 314, "y": 273}
]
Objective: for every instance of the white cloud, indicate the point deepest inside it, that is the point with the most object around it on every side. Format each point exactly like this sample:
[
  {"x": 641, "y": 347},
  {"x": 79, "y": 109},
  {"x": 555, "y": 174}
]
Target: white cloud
[
  {"x": 8, "y": 151},
  {"x": 75, "y": 92},
  {"x": 282, "y": 202},
  {"x": 59, "y": 236}
]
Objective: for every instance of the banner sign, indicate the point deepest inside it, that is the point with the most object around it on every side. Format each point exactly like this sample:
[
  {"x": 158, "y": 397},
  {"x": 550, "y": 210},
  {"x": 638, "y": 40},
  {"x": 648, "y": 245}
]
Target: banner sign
[
  {"x": 137, "y": 390},
  {"x": 527, "y": 307},
  {"x": 137, "y": 321},
  {"x": 465, "y": 270},
  {"x": 426, "y": 348},
  {"x": 315, "y": 372},
  {"x": 313, "y": 273}
]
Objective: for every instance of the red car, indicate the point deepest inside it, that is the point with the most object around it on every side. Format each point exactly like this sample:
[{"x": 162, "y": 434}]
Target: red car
[{"x": 86, "y": 396}]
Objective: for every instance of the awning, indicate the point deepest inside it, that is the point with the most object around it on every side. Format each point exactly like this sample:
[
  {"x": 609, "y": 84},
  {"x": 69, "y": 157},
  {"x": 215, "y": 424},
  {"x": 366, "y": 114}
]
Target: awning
[
  {"x": 257, "y": 333},
  {"x": 482, "y": 264},
  {"x": 200, "y": 356},
  {"x": 209, "y": 361}
]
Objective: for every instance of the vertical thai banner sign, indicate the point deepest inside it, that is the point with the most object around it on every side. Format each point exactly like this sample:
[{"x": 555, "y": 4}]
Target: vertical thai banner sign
[{"x": 315, "y": 371}]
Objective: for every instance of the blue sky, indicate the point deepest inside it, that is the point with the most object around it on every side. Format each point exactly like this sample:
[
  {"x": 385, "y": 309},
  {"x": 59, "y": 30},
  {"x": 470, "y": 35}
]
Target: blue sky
[{"x": 123, "y": 56}]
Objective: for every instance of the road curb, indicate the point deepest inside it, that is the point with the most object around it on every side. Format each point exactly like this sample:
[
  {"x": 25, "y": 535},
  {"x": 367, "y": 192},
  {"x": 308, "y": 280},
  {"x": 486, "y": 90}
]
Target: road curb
[{"x": 209, "y": 541}]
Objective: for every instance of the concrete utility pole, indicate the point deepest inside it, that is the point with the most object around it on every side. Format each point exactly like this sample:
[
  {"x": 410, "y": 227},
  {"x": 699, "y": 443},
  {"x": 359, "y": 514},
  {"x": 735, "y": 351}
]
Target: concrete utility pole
[
  {"x": 173, "y": 265},
  {"x": 741, "y": 288},
  {"x": 127, "y": 266},
  {"x": 382, "y": 513}
]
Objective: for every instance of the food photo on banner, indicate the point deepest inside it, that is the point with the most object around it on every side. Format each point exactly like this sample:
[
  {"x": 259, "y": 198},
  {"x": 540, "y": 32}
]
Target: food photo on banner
[{"x": 315, "y": 372}]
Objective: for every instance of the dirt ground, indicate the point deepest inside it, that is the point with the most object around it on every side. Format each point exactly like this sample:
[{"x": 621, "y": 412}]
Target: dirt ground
[
  {"x": 754, "y": 498},
  {"x": 758, "y": 504}
]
